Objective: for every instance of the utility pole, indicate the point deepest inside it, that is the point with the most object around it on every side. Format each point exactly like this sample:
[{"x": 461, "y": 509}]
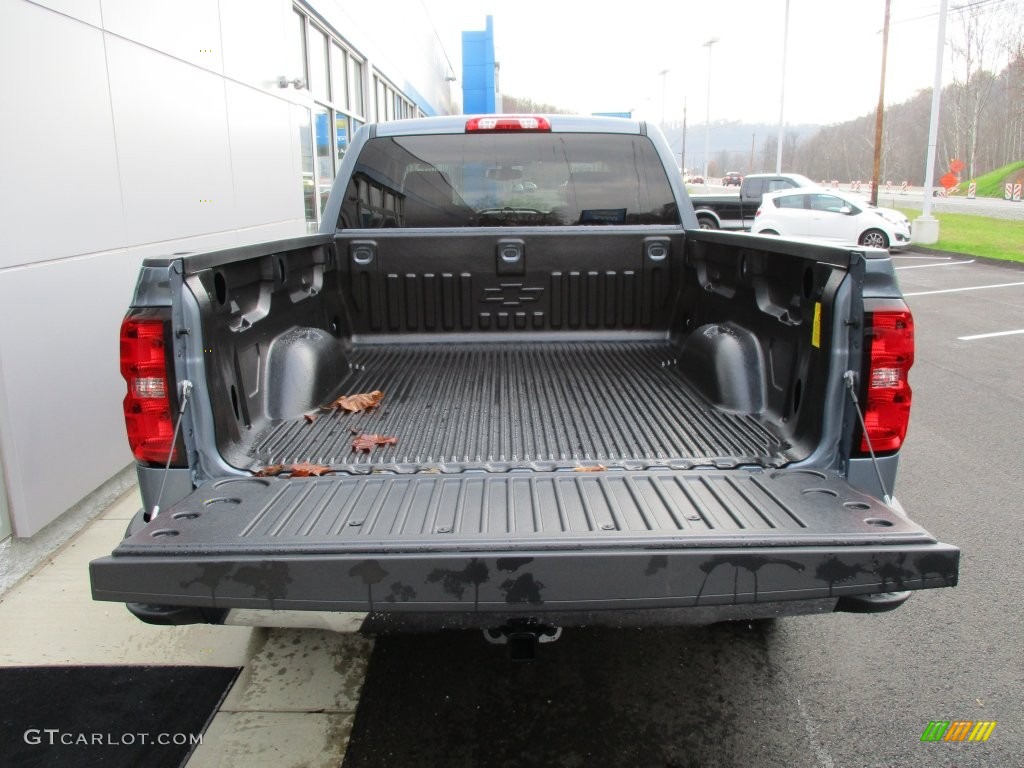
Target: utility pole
[
  {"x": 682, "y": 151},
  {"x": 663, "y": 73},
  {"x": 876, "y": 171},
  {"x": 707, "y": 119},
  {"x": 782, "y": 95}
]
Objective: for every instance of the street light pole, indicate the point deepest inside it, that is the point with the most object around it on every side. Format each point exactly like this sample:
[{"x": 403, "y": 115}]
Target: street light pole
[
  {"x": 707, "y": 119},
  {"x": 663, "y": 73},
  {"x": 782, "y": 94},
  {"x": 682, "y": 150},
  {"x": 926, "y": 226}
]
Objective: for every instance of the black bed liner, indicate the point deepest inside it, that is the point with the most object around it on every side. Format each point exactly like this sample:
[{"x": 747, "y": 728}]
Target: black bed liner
[{"x": 621, "y": 403}]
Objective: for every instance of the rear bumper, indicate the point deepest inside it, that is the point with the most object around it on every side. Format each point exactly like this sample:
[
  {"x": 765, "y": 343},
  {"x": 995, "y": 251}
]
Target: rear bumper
[{"x": 531, "y": 581}]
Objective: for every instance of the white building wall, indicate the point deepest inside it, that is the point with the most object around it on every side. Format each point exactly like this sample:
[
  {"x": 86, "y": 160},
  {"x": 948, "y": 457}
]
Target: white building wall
[{"x": 131, "y": 129}]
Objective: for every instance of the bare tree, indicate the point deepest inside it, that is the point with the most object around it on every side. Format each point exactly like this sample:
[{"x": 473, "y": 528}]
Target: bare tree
[
  {"x": 520, "y": 105},
  {"x": 972, "y": 49}
]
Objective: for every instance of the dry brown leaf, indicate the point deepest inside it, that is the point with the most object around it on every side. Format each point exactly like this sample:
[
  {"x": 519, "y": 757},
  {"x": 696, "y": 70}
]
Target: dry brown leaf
[
  {"x": 273, "y": 469},
  {"x": 310, "y": 418},
  {"x": 361, "y": 402},
  {"x": 367, "y": 443},
  {"x": 594, "y": 468},
  {"x": 303, "y": 469},
  {"x": 306, "y": 469}
]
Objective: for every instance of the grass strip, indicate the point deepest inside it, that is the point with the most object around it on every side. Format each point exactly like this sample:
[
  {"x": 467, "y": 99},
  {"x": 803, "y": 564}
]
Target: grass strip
[{"x": 977, "y": 235}]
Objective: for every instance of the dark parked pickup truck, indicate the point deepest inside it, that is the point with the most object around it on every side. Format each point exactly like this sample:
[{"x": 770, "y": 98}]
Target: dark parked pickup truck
[
  {"x": 737, "y": 211},
  {"x": 512, "y": 385}
]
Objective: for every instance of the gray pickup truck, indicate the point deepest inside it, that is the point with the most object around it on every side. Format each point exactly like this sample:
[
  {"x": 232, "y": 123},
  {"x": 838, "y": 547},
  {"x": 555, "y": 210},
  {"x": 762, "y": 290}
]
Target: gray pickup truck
[
  {"x": 736, "y": 212},
  {"x": 511, "y": 385}
]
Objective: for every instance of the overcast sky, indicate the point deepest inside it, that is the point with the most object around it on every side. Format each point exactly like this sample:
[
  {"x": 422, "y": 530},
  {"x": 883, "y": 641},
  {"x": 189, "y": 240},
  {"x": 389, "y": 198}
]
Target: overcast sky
[{"x": 606, "y": 56}]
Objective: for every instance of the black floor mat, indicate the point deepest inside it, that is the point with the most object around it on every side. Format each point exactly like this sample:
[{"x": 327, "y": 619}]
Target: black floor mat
[{"x": 107, "y": 716}]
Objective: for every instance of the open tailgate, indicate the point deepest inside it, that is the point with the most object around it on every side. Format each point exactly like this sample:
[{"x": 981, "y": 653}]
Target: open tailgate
[{"x": 543, "y": 541}]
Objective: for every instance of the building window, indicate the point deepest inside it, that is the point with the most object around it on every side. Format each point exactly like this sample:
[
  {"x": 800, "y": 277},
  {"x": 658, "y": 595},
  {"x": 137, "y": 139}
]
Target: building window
[
  {"x": 355, "y": 86},
  {"x": 332, "y": 74},
  {"x": 339, "y": 76},
  {"x": 319, "y": 79},
  {"x": 308, "y": 178},
  {"x": 390, "y": 104},
  {"x": 324, "y": 153},
  {"x": 299, "y": 49},
  {"x": 342, "y": 133}
]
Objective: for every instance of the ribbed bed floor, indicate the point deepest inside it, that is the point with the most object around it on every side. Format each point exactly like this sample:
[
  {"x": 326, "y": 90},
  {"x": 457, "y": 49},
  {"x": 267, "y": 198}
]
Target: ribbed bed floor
[{"x": 480, "y": 404}]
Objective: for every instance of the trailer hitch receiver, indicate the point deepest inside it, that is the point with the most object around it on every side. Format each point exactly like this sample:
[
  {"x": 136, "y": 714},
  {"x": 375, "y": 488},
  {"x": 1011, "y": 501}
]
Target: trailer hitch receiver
[{"x": 520, "y": 636}]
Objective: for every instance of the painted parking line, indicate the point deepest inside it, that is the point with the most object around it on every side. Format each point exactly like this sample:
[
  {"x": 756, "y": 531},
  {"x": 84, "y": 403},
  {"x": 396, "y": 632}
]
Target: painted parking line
[
  {"x": 990, "y": 335},
  {"x": 928, "y": 258},
  {"x": 929, "y": 266},
  {"x": 959, "y": 290}
]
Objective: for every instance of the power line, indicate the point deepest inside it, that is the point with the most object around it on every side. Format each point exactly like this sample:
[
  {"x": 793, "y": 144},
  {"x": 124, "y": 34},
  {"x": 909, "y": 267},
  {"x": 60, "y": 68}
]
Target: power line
[{"x": 989, "y": 5}]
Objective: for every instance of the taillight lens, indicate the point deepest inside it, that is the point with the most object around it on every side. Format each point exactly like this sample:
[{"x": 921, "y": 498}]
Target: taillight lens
[
  {"x": 150, "y": 408},
  {"x": 890, "y": 353},
  {"x": 505, "y": 123}
]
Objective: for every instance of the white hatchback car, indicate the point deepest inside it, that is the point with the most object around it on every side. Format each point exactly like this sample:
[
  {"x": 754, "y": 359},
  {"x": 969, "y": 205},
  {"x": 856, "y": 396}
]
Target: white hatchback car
[{"x": 830, "y": 215}]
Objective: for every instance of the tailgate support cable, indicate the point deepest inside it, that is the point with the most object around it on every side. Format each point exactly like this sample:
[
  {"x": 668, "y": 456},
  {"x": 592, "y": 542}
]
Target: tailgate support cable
[
  {"x": 186, "y": 391},
  {"x": 851, "y": 384}
]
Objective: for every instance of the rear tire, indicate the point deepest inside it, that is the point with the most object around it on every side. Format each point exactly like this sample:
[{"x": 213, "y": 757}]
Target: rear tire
[
  {"x": 768, "y": 232},
  {"x": 874, "y": 238}
]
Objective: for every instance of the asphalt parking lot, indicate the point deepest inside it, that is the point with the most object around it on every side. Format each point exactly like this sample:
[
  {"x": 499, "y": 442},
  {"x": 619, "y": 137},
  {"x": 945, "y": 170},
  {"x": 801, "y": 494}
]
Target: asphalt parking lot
[{"x": 831, "y": 691}]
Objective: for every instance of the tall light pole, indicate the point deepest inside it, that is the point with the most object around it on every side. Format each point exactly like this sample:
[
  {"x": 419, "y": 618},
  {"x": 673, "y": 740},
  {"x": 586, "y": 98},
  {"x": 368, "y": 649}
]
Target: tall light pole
[
  {"x": 707, "y": 119},
  {"x": 926, "y": 226},
  {"x": 782, "y": 95},
  {"x": 663, "y": 73},
  {"x": 682, "y": 150}
]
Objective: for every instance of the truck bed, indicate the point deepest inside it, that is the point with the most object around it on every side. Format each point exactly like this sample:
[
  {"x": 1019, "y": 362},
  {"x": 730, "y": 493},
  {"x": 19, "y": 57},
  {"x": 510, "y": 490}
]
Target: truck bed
[{"x": 619, "y": 403}]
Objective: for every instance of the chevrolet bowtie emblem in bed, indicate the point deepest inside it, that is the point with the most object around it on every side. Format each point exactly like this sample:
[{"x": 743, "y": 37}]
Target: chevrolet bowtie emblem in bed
[{"x": 512, "y": 294}]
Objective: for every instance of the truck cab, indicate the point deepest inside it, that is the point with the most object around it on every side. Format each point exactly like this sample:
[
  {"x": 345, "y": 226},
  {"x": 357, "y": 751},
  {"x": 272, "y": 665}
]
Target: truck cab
[{"x": 736, "y": 212}]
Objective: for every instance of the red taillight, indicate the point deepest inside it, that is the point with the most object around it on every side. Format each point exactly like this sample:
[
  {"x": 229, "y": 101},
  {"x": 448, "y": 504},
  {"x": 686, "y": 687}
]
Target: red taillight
[
  {"x": 149, "y": 411},
  {"x": 890, "y": 353},
  {"x": 505, "y": 123}
]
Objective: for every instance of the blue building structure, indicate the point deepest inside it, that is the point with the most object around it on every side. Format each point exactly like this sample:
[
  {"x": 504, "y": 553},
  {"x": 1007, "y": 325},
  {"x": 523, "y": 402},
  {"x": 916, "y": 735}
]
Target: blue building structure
[{"x": 480, "y": 92}]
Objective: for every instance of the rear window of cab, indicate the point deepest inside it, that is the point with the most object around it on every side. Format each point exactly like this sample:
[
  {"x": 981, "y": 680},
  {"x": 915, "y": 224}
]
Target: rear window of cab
[{"x": 508, "y": 179}]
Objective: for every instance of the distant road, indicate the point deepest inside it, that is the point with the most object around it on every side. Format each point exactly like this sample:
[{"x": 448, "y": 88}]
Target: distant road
[
  {"x": 912, "y": 198},
  {"x": 982, "y": 206}
]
